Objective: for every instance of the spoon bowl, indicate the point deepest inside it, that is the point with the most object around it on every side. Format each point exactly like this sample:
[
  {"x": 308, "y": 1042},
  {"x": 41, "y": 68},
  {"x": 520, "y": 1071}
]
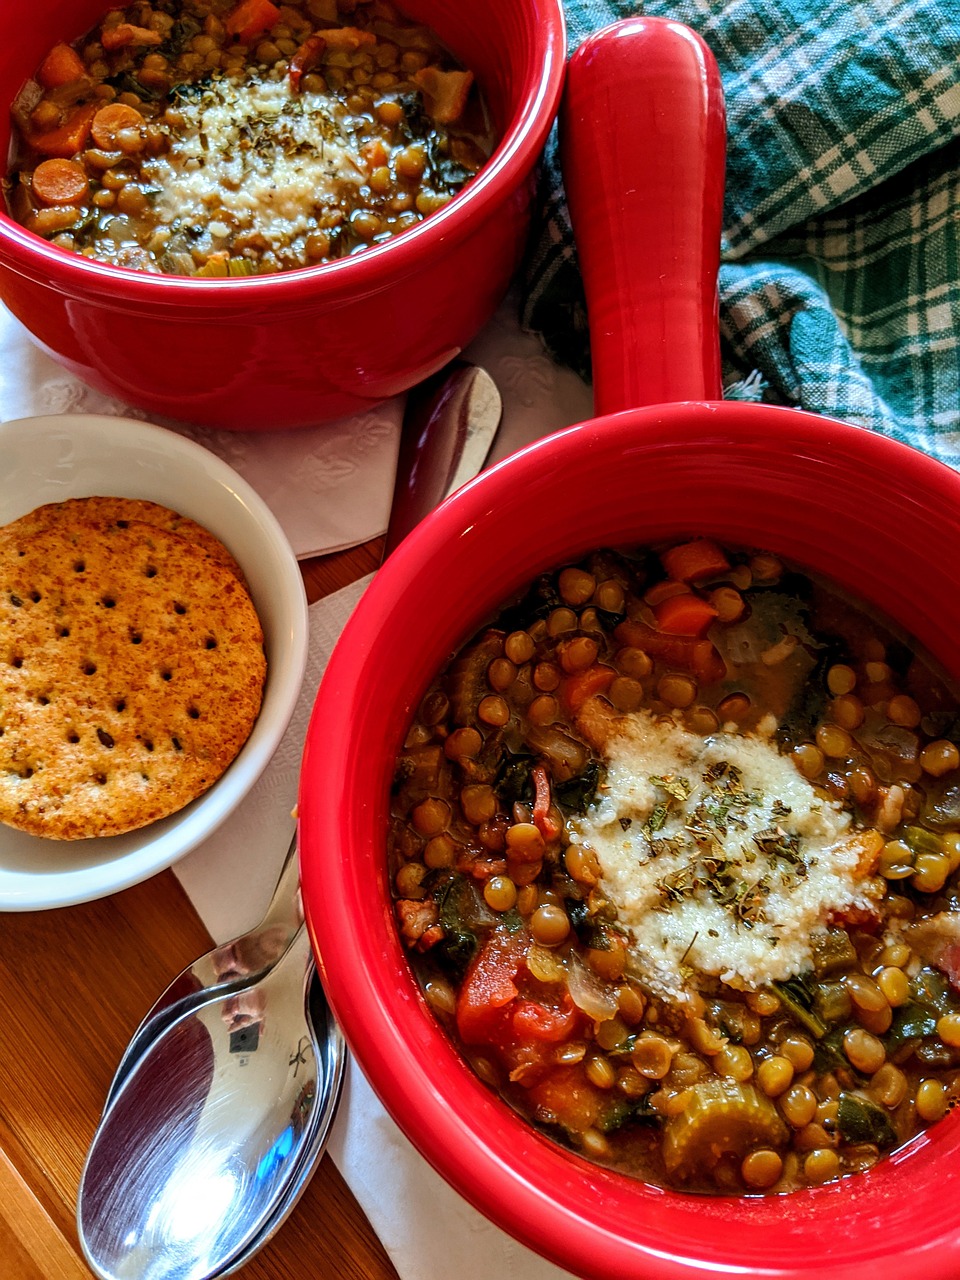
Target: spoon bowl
[
  {"x": 226, "y": 969},
  {"x": 211, "y": 1136}
]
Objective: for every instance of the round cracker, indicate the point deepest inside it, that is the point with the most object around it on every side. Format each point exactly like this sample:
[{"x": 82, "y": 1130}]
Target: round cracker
[
  {"x": 120, "y": 511},
  {"x": 131, "y": 674}
]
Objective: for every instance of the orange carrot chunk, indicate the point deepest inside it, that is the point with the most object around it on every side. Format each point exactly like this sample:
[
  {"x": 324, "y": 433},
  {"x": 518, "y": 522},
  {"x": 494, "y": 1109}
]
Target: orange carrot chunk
[
  {"x": 69, "y": 138},
  {"x": 692, "y": 561},
  {"x": 112, "y": 120},
  {"x": 684, "y": 615},
  {"x": 576, "y": 689},
  {"x": 250, "y": 19},
  {"x": 62, "y": 65},
  {"x": 59, "y": 181}
]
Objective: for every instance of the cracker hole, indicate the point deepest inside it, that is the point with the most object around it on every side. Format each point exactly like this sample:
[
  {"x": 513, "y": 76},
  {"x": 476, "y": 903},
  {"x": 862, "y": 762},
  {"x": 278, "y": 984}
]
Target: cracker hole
[
  {"x": 193, "y": 713},
  {"x": 16, "y": 602},
  {"x": 100, "y": 779},
  {"x": 179, "y": 608},
  {"x": 73, "y": 738},
  {"x": 176, "y": 744},
  {"x": 35, "y": 597},
  {"x": 26, "y": 773},
  {"x": 123, "y": 524},
  {"x": 108, "y": 602},
  {"x": 64, "y": 632},
  {"x": 136, "y": 637},
  {"x": 105, "y": 739},
  {"x": 43, "y": 700},
  {"x": 150, "y": 571},
  {"x": 210, "y": 643},
  {"x": 89, "y": 668},
  {"x": 16, "y": 662},
  {"x": 120, "y": 705},
  {"x": 166, "y": 675},
  {"x": 79, "y": 567},
  {"x": 148, "y": 745}
]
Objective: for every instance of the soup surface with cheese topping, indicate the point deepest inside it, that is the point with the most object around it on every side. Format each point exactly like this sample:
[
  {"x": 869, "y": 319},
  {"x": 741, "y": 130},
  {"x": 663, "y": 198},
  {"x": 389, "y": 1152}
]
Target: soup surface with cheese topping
[
  {"x": 675, "y": 846},
  {"x": 239, "y": 137}
]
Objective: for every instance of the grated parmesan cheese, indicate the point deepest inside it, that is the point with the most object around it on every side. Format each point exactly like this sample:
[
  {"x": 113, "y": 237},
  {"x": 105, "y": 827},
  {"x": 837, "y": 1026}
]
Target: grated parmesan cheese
[
  {"x": 716, "y": 853},
  {"x": 261, "y": 156}
]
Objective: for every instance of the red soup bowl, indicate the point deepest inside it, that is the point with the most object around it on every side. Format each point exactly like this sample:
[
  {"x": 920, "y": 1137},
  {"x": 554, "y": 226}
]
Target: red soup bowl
[
  {"x": 878, "y": 518},
  {"x": 307, "y": 345}
]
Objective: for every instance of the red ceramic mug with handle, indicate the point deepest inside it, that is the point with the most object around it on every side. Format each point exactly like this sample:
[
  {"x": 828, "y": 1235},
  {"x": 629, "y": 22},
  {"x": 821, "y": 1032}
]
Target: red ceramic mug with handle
[{"x": 643, "y": 129}]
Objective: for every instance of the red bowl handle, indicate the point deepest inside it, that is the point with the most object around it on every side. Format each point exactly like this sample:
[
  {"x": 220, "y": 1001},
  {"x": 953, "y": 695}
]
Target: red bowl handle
[{"x": 643, "y": 147}]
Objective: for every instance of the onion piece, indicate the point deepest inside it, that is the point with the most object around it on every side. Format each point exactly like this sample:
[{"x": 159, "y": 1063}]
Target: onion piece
[{"x": 597, "y": 999}]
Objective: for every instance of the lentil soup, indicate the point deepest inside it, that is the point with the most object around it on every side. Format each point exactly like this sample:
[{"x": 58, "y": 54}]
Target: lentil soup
[
  {"x": 675, "y": 849},
  {"x": 226, "y": 138}
]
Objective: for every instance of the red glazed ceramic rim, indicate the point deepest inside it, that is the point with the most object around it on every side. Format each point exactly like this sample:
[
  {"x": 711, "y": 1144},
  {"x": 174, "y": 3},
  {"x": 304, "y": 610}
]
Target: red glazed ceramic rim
[
  {"x": 875, "y": 515},
  {"x": 518, "y": 150}
]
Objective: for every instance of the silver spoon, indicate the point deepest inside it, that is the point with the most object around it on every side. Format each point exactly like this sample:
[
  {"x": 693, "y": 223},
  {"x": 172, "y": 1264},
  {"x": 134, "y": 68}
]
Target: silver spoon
[
  {"x": 212, "y": 1135},
  {"x": 313, "y": 1151},
  {"x": 229, "y": 967}
]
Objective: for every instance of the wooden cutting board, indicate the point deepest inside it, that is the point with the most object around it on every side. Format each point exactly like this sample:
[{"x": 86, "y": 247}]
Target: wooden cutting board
[{"x": 74, "y": 985}]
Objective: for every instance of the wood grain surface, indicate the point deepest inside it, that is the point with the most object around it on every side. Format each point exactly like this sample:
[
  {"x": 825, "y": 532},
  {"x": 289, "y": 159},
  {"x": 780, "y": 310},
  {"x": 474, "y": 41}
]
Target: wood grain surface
[{"x": 74, "y": 985}]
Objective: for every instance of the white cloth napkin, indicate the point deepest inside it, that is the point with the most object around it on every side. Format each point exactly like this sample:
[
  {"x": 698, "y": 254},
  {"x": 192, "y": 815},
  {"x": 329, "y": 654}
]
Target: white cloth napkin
[{"x": 428, "y": 1230}]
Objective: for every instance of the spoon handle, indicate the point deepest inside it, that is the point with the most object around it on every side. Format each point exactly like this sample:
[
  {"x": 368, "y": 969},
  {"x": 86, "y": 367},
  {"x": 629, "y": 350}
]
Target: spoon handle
[{"x": 333, "y": 1055}]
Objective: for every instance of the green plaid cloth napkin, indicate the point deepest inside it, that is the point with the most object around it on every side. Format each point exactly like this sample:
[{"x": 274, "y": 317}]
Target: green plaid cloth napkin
[{"x": 840, "y": 266}]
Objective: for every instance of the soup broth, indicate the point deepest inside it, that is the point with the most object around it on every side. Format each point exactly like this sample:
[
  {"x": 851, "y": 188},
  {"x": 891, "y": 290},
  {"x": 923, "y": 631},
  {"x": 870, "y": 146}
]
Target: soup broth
[{"x": 675, "y": 846}]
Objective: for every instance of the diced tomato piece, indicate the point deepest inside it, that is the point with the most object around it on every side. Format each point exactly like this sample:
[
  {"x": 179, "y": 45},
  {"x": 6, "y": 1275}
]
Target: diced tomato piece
[
  {"x": 490, "y": 986},
  {"x": 692, "y": 561},
  {"x": 685, "y": 615},
  {"x": 699, "y": 657},
  {"x": 706, "y": 663},
  {"x": 305, "y": 59},
  {"x": 949, "y": 964},
  {"x": 535, "y": 1021},
  {"x": 543, "y": 820}
]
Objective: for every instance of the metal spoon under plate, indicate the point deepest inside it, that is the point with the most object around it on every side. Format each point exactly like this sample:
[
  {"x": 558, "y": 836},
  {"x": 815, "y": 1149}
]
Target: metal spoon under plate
[
  {"x": 230, "y": 967},
  {"x": 211, "y": 1130}
]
